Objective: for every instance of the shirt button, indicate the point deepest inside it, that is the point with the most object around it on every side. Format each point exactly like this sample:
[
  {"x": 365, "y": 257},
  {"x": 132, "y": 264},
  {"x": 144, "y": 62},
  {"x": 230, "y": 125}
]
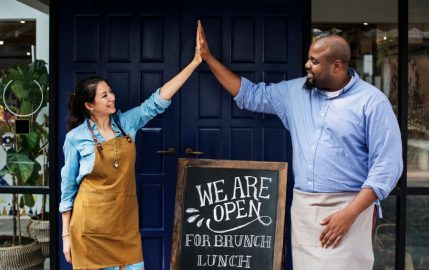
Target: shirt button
[
  {"x": 318, "y": 131},
  {"x": 322, "y": 114},
  {"x": 309, "y": 183},
  {"x": 312, "y": 147},
  {"x": 309, "y": 166}
]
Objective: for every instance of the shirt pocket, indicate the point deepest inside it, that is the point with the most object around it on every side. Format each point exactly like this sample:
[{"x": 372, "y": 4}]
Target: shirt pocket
[
  {"x": 86, "y": 153},
  {"x": 86, "y": 150},
  {"x": 332, "y": 143}
]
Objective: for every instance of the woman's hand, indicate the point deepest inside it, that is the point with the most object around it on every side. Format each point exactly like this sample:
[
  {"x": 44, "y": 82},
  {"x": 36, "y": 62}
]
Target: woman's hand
[
  {"x": 197, "y": 57},
  {"x": 67, "y": 248},
  {"x": 202, "y": 43}
]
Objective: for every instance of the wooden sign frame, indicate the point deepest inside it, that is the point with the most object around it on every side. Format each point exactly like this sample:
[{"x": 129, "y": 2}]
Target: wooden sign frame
[{"x": 184, "y": 164}]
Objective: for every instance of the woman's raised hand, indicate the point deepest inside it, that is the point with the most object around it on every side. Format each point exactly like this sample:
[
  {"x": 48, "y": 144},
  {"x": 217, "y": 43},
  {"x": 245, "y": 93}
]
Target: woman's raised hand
[{"x": 197, "y": 57}]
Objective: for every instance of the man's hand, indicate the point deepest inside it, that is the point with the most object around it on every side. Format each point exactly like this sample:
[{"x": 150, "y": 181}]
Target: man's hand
[
  {"x": 204, "y": 47},
  {"x": 337, "y": 225},
  {"x": 67, "y": 248}
]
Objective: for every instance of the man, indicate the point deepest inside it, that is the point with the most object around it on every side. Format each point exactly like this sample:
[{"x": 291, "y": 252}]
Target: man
[{"x": 346, "y": 151}]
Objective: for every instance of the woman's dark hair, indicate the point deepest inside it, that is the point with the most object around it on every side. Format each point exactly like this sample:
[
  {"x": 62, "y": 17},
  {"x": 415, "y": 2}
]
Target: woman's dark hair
[{"x": 84, "y": 92}]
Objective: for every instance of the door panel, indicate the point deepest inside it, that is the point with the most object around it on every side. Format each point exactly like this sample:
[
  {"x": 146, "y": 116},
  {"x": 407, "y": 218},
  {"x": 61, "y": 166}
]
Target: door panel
[
  {"x": 258, "y": 40},
  {"x": 136, "y": 48}
]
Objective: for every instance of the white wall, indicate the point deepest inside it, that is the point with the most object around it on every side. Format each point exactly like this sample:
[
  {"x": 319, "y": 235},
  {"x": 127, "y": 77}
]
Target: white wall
[{"x": 14, "y": 10}]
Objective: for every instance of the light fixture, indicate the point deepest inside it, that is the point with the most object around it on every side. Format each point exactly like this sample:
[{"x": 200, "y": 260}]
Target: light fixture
[
  {"x": 385, "y": 38},
  {"x": 365, "y": 23},
  {"x": 28, "y": 53},
  {"x": 1, "y": 42},
  {"x": 22, "y": 21}
]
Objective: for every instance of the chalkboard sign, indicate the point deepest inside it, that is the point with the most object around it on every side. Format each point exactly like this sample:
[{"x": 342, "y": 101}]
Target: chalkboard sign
[{"x": 229, "y": 215}]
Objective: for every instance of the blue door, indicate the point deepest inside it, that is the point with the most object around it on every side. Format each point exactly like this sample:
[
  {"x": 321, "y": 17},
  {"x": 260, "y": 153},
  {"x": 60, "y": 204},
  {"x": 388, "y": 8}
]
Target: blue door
[{"x": 139, "y": 45}]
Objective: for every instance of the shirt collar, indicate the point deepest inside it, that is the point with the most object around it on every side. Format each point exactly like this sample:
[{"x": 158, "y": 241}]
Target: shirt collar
[
  {"x": 94, "y": 126},
  {"x": 354, "y": 77}
]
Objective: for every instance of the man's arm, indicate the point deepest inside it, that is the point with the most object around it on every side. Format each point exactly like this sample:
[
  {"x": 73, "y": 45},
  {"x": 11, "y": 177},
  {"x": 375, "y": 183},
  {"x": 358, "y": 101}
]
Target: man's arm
[
  {"x": 229, "y": 80},
  {"x": 339, "y": 223}
]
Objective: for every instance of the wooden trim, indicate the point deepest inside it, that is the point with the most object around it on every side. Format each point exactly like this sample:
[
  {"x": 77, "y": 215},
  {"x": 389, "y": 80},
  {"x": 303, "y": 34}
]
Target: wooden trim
[{"x": 184, "y": 164}]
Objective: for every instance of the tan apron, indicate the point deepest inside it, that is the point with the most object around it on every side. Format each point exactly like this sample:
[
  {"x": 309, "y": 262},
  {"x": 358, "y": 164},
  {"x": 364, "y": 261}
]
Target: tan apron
[
  {"x": 354, "y": 251},
  {"x": 104, "y": 226}
]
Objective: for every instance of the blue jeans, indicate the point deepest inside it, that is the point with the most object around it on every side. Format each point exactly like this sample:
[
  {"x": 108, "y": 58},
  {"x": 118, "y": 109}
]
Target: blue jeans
[{"x": 136, "y": 266}]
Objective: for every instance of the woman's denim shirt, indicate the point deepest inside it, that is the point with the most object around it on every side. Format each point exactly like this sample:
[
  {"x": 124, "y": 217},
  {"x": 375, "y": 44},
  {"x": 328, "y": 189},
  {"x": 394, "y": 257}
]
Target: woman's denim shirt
[{"x": 79, "y": 147}]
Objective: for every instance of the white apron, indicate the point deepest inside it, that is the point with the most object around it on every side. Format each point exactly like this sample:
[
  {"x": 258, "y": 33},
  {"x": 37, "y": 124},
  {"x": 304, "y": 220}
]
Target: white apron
[{"x": 354, "y": 251}]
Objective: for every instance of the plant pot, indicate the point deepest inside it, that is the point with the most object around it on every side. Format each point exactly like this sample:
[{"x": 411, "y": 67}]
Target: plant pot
[
  {"x": 20, "y": 257},
  {"x": 39, "y": 230}
]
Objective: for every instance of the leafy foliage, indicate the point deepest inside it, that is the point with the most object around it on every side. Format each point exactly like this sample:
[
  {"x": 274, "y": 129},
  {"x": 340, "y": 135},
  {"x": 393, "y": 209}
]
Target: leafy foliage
[{"x": 23, "y": 96}]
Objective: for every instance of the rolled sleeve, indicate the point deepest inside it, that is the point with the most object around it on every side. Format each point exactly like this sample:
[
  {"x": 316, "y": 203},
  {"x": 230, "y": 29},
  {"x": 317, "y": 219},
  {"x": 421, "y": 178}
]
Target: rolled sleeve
[
  {"x": 69, "y": 173},
  {"x": 254, "y": 97},
  {"x": 163, "y": 103},
  {"x": 385, "y": 150},
  {"x": 138, "y": 117}
]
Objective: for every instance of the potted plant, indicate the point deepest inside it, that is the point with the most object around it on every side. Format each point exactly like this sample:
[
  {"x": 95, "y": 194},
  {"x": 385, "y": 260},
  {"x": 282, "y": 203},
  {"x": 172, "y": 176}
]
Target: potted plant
[{"x": 23, "y": 95}]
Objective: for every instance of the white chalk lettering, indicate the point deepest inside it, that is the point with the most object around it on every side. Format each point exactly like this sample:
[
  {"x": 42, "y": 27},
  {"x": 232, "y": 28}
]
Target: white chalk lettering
[
  {"x": 238, "y": 187},
  {"x": 263, "y": 187},
  {"x": 206, "y": 195},
  {"x": 237, "y": 261},
  {"x": 197, "y": 240}
]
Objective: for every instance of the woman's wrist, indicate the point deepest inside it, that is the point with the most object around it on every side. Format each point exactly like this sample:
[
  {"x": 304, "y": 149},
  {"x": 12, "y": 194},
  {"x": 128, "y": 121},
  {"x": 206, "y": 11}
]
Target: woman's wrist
[{"x": 195, "y": 63}]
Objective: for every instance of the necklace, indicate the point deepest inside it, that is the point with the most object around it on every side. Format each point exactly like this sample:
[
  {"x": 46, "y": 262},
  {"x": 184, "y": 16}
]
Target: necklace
[{"x": 115, "y": 158}]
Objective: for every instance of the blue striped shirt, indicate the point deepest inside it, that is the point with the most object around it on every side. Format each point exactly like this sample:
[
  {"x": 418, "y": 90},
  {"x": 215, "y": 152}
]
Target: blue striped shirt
[{"x": 341, "y": 143}]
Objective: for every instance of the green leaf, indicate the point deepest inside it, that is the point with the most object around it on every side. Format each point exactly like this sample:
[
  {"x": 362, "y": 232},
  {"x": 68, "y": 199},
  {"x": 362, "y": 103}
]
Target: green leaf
[
  {"x": 32, "y": 181},
  {"x": 40, "y": 130},
  {"x": 28, "y": 200},
  {"x": 25, "y": 108},
  {"x": 43, "y": 80},
  {"x": 3, "y": 172},
  {"x": 18, "y": 90},
  {"x": 21, "y": 202},
  {"x": 31, "y": 140},
  {"x": 39, "y": 181},
  {"x": 20, "y": 164}
]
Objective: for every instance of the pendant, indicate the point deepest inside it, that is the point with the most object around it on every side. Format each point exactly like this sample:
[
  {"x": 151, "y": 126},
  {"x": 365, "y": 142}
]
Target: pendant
[{"x": 115, "y": 164}]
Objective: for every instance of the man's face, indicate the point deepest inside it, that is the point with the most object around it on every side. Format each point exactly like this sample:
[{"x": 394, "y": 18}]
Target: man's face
[{"x": 318, "y": 67}]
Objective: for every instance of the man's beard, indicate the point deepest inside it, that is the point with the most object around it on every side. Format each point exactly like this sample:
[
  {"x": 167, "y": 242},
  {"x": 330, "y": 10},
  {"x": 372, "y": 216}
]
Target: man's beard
[{"x": 309, "y": 84}]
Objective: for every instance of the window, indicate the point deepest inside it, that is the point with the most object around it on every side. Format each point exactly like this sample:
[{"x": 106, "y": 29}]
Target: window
[{"x": 24, "y": 131}]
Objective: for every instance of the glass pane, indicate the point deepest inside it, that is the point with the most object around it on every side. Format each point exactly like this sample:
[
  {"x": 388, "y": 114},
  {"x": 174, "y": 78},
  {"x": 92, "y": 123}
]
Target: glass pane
[
  {"x": 417, "y": 247},
  {"x": 31, "y": 222},
  {"x": 24, "y": 89},
  {"x": 384, "y": 236},
  {"x": 374, "y": 43},
  {"x": 418, "y": 94},
  {"x": 24, "y": 118}
]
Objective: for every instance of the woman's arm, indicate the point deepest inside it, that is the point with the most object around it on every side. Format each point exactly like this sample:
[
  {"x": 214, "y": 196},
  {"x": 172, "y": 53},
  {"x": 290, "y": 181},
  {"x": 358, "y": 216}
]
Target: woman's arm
[
  {"x": 172, "y": 86},
  {"x": 66, "y": 236}
]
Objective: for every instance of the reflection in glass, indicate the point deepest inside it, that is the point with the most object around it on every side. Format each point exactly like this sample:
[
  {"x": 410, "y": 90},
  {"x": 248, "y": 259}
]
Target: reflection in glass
[
  {"x": 374, "y": 50},
  {"x": 417, "y": 241},
  {"x": 384, "y": 236},
  {"x": 418, "y": 94}
]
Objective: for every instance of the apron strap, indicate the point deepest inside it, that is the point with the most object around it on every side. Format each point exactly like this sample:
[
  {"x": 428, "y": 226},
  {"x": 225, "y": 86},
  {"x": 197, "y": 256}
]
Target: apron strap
[
  {"x": 97, "y": 142},
  {"x": 122, "y": 130}
]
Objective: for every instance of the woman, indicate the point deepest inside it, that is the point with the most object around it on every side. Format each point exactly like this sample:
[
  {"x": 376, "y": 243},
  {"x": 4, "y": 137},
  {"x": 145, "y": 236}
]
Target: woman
[{"x": 98, "y": 200}]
